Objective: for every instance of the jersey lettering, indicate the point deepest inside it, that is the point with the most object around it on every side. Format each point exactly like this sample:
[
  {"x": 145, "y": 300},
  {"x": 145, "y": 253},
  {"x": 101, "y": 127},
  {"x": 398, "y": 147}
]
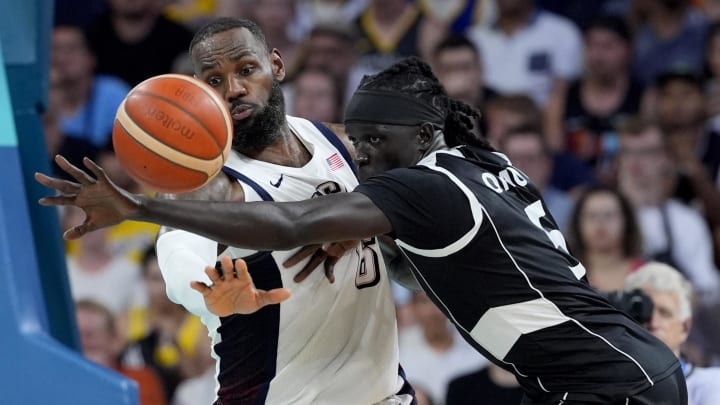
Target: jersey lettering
[{"x": 506, "y": 178}]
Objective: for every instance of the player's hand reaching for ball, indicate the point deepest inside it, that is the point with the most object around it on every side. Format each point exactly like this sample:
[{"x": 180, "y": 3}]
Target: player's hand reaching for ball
[
  {"x": 233, "y": 291},
  {"x": 104, "y": 203}
]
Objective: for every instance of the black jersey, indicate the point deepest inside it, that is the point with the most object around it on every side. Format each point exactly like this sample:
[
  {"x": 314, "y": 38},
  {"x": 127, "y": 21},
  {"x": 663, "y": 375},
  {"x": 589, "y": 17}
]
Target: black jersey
[{"x": 482, "y": 245}]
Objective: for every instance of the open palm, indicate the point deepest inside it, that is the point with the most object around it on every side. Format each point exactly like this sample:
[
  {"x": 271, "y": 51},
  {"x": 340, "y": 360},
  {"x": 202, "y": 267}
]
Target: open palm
[{"x": 233, "y": 291}]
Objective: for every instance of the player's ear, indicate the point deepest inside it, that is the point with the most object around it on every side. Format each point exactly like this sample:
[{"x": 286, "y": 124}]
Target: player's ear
[
  {"x": 425, "y": 136},
  {"x": 277, "y": 65}
]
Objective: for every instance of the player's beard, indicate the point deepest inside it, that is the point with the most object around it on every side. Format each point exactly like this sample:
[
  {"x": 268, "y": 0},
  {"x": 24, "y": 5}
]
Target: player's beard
[{"x": 262, "y": 128}]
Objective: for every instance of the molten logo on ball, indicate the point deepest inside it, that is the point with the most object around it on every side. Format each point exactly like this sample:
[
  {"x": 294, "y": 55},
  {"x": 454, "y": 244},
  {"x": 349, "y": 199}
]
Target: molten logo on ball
[{"x": 169, "y": 122}]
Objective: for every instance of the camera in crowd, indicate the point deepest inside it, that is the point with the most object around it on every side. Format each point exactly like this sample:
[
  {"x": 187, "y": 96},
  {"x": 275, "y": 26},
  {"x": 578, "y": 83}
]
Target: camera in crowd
[{"x": 635, "y": 303}]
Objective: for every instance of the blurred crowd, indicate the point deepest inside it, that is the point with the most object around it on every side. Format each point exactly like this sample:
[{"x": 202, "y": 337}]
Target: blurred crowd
[{"x": 611, "y": 107}]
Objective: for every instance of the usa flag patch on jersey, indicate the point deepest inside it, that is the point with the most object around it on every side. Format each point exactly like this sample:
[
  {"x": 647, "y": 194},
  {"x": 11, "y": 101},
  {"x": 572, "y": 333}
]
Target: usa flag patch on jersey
[{"x": 335, "y": 161}]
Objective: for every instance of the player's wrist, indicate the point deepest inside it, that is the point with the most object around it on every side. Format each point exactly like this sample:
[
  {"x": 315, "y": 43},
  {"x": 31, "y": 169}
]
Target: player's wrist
[{"x": 140, "y": 207}]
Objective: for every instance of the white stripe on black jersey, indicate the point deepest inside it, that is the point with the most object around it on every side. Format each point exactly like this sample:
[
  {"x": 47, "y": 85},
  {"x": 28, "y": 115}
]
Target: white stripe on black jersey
[{"x": 476, "y": 234}]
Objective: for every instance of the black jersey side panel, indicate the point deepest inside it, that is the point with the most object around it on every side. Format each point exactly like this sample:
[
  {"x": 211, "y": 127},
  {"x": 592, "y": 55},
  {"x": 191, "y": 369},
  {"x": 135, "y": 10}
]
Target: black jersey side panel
[{"x": 248, "y": 350}]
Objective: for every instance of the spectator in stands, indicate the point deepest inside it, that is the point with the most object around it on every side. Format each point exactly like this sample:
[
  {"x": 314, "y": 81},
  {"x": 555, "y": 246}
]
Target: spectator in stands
[
  {"x": 712, "y": 70},
  {"x": 457, "y": 64},
  {"x": 506, "y": 112},
  {"x": 581, "y": 12},
  {"x": 275, "y": 17},
  {"x": 711, "y": 10},
  {"x": 671, "y": 322},
  {"x": 101, "y": 342},
  {"x": 169, "y": 344},
  {"x": 134, "y": 41},
  {"x": 316, "y": 95},
  {"x": 200, "y": 389},
  {"x": 528, "y": 150},
  {"x": 333, "y": 47},
  {"x": 432, "y": 352},
  {"x": 605, "y": 237},
  {"x": 312, "y": 13},
  {"x": 673, "y": 35},
  {"x": 693, "y": 143},
  {"x": 672, "y": 232},
  {"x": 492, "y": 385},
  {"x": 459, "y": 15},
  {"x": 84, "y": 104},
  {"x": 528, "y": 50},
  {"x": 193, "y": 13},
  {"x": 585, "y": 120},
  {"x": 104, "y": 276},
  {"x": 393, "y": 29}
]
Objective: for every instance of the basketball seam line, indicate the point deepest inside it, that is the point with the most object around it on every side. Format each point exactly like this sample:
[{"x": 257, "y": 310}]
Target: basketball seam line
[
  {"x": 194, "y": 117},
  {"x": 139, "y": 142}
]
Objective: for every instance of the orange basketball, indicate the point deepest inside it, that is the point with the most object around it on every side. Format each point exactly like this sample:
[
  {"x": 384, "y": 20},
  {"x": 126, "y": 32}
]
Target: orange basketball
[{"x": 172, "y": 133}]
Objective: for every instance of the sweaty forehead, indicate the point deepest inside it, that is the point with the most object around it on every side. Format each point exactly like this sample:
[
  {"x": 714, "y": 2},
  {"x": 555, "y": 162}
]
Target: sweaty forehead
[{"x": 231, "y": 44}]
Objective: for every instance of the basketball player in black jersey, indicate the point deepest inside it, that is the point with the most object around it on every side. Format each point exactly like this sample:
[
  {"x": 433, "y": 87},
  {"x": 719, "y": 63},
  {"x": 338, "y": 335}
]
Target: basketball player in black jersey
[{"x": 473, "y": 229}]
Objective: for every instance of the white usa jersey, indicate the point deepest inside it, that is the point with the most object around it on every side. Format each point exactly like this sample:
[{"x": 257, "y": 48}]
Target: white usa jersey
[{"x": 329, "y": 343}]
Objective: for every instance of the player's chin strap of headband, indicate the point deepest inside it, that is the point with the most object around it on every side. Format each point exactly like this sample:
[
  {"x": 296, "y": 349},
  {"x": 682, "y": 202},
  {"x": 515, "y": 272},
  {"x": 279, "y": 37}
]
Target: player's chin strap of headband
[{"x": 392, "y": 108}]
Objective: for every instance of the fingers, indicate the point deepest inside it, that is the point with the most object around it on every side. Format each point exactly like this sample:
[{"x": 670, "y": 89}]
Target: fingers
[
  {"x": 64, "y": 186},
  {"x": 213, "y": 274},
  {"x": 301, "y": 255},
  {"x": 339, "y": 249},
  {"x": 226, "y": 267},
  {"x": 201, "y": 287},
  {"x": 275, "y": 296},
  {"x": 98, "y": 171},
  {"x": 76, "y": 173},
  {"x": 58, "y": 200},
  {"x": 76, "y": 232},
  {"x": 241, "y": 270},
  {"x": 314, "y": 262},
  {"x": 330, "y": 268}
]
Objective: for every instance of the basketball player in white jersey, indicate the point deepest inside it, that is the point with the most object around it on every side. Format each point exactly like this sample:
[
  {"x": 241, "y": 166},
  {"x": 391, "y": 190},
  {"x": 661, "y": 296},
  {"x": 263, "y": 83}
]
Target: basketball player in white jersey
[{"x": 333, "y": 342}]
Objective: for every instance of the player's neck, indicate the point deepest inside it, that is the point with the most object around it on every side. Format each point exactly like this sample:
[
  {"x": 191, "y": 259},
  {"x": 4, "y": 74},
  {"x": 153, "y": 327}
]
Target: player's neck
[
  {"x": 437, "y": 143},
  {"x": 286, "y": 150}
]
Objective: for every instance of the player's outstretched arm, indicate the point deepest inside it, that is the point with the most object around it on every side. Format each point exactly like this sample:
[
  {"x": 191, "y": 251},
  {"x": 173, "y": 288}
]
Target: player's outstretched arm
[
  {"x": 253, "y": 225},
  {"x": 233, "y": 292}
]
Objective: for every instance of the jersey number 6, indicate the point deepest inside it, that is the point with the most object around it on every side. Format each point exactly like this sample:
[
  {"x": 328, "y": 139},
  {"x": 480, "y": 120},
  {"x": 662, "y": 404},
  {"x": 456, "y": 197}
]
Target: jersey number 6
[{"x": 368, "y": 274}]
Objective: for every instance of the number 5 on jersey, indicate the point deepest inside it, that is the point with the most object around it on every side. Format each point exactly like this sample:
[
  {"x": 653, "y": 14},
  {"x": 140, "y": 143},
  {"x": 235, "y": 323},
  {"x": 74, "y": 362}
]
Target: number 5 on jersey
[{"x": 535, "y": 211}]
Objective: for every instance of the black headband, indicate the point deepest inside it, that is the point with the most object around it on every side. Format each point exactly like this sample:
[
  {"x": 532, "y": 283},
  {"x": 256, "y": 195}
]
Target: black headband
[{"x": 392, "y": 108}]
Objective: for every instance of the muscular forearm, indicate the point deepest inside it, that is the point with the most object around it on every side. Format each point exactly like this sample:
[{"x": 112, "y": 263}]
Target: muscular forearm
[
  {"x": 269, "y": 226},
  {"x": 247, "y": 225}
]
